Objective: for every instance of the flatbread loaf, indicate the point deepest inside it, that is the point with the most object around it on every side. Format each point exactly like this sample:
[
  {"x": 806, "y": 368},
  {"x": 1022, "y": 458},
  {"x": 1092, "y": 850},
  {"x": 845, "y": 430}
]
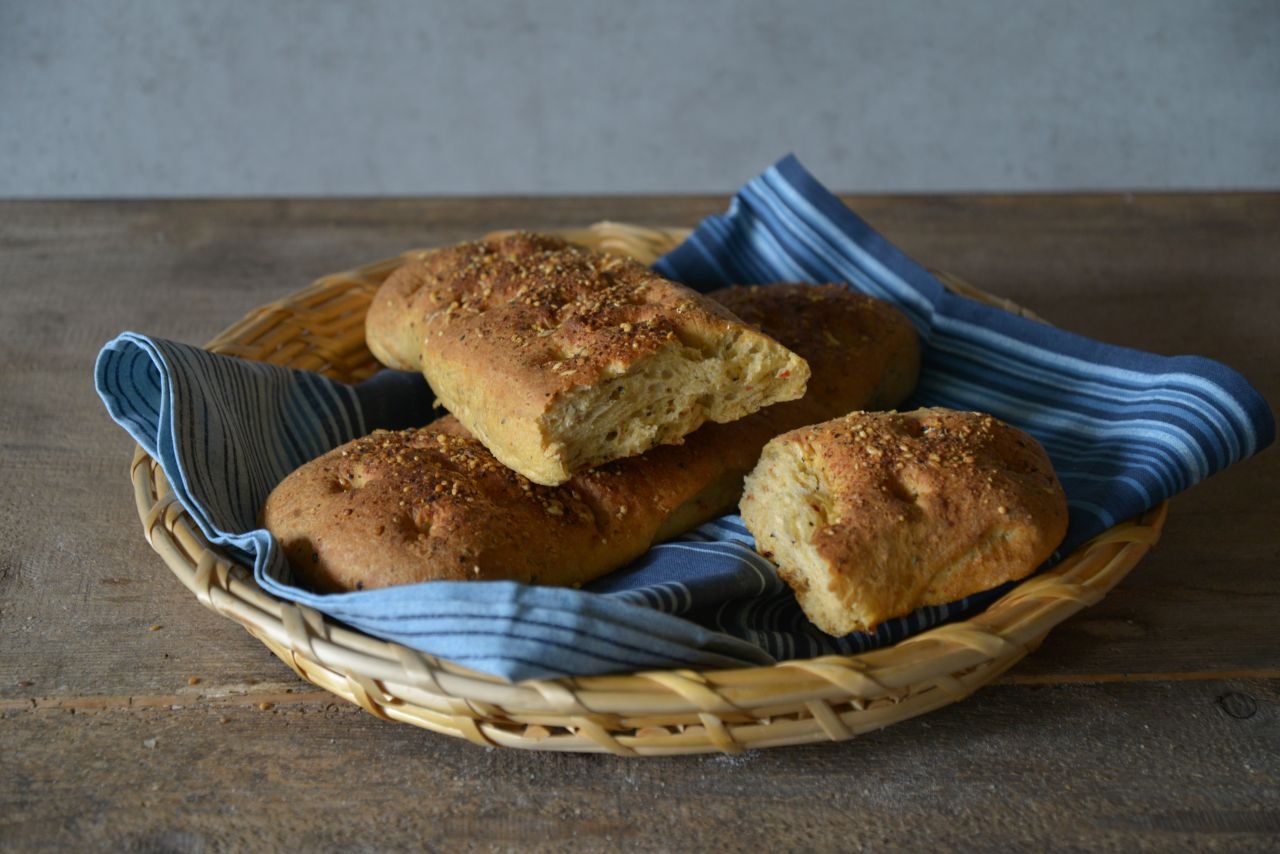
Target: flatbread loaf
[
  {"x": 560, "y": 358},
  {"x": 873, "y": 515},
  {"x": 435, "y": 504}
]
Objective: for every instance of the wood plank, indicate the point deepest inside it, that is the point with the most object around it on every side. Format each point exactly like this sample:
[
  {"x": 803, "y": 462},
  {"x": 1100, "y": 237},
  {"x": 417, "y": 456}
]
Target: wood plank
[
  {"x": 1185, "y": 766},
  {"x": 1096, "y": 738}
]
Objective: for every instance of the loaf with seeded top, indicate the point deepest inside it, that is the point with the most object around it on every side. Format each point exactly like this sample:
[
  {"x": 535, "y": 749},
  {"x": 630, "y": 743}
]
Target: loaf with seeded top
[
  {"x": 559, "y": 358},
  {"x": 873, "y": 515}
]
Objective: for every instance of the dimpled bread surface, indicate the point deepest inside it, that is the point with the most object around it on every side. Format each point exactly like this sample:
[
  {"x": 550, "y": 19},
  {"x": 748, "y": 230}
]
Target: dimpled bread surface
[
  {"x": 435, "y": 504},
  {"x": 873, "y": 515},
  {"x": 560, "y": 358}
]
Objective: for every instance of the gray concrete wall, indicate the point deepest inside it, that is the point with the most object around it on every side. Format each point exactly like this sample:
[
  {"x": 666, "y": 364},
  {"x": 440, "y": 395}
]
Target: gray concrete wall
[{"x": 283, "y": 97}]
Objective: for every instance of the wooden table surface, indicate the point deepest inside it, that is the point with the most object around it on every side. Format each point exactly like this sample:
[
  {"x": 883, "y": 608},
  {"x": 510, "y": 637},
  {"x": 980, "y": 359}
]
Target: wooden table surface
[{"x": 135, "y": 719}]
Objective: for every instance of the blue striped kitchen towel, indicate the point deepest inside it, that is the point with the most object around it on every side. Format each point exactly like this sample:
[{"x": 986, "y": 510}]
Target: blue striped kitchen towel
[{"x": 1125, "y": 430}]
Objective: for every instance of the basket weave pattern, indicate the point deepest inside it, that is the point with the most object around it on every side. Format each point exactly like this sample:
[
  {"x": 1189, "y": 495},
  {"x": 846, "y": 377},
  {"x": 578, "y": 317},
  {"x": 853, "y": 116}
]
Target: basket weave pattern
[{"x": 833, "y": 698}]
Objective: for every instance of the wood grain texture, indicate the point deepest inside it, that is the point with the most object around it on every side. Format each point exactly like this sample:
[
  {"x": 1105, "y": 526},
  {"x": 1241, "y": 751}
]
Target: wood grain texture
[
  {"x": 1148, "y": 719},
  {"x": 1084, "y": 766}
]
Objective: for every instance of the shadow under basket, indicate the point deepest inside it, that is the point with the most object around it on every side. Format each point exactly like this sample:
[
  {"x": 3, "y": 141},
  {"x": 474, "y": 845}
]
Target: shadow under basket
[{"x": 648, "y": 713}]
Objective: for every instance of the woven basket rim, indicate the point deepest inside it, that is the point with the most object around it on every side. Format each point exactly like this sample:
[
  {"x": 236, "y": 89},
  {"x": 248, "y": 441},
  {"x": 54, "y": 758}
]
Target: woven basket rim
[{"x": 642, "y": 713}]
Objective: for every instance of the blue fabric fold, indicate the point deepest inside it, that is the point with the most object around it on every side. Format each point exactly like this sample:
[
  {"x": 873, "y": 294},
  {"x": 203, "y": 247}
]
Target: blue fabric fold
[{"x": 1125, "y": 430}]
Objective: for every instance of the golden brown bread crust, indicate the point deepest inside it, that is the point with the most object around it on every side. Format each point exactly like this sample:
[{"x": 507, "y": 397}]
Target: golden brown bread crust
[
  {"x": 560, "y": 358},
  {"x": 413, "y": 505},
  {"x": 862, "y": 352},
  {"x": 873, "y": 515},
  {"x": 343, "y": 524}
]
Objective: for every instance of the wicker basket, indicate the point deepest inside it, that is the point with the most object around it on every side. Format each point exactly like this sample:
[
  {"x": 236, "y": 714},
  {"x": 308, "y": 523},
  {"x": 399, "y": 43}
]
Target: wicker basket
[{"x": 653, "y": 713}]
